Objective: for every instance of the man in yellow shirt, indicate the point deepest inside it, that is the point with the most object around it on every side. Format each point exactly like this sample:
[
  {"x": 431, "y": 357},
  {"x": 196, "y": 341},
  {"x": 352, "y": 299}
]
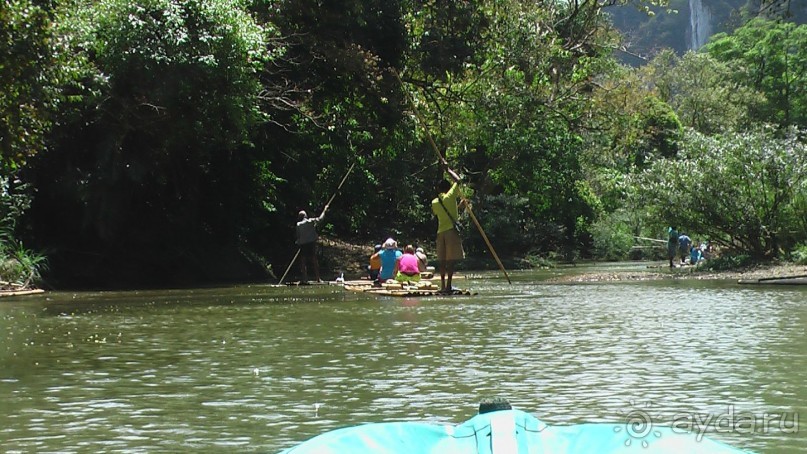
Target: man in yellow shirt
[{"x": 449, "y": 242}]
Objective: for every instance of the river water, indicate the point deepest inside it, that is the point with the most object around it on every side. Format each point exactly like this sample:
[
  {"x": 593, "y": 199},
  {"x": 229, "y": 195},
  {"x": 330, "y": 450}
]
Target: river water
[{"x": 260, "y": 368}]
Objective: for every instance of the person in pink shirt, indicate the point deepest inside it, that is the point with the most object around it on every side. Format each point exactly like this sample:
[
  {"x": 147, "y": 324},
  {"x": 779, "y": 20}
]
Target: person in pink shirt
[{"x": 406, "y": 268}]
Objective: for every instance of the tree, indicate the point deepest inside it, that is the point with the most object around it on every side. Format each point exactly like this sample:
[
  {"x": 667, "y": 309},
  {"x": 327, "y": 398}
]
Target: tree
[
  {"x": 771, "y": 58},
  {"x": 341, "y": 57},
  {"x": 26, "y": 64},
  {"x": 513, "y": 116},
  {"x": 739, "y": 190},
  {"x": 702, "y": 91},
  {"x": 150, "y": 167}
]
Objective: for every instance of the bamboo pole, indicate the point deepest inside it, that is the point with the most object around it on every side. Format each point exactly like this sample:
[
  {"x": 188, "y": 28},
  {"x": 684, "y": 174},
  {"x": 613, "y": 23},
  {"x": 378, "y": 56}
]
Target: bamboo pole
[
  {"x": 454, "y": 176},
  {"x": 320, "y": 215},
  {"x": 289, "y": 267},
  {"x": 649, "y": 239},
  {"x": 337, "y": 190},
  {"x": 776, "y": 278}
]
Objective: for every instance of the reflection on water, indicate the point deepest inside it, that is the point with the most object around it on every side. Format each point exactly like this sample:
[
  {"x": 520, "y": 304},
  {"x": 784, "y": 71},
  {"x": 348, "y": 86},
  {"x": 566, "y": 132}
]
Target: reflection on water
[{"x": 261, "y": 368}]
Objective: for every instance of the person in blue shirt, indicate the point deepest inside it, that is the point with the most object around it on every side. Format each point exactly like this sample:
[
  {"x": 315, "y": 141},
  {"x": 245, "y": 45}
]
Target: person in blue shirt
[
  {"x": 389, "y": 256},
  {"x": 684, "y": 243},
  {"x": 694, "y": 255}
]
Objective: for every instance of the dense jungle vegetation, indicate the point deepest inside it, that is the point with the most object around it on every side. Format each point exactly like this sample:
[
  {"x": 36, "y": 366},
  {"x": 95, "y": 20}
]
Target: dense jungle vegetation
[{"x": 158, "y": 142}]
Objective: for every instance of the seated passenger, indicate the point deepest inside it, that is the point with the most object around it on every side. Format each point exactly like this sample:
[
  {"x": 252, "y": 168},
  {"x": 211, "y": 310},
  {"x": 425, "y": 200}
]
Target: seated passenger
[
  {"x": 375, "y": 264},
  {"x": 407, "y": 266},
  {"x": 694, "y": 255},
  {"x": 389, "y": 258}
]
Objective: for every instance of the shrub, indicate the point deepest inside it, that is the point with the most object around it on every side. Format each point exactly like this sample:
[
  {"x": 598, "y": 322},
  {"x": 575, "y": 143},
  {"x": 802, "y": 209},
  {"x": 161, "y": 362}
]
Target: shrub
[
  {"x": 612, "y": 238},
  {"x": 799, "y": 254},
  {"x": 728, "y": 262}
]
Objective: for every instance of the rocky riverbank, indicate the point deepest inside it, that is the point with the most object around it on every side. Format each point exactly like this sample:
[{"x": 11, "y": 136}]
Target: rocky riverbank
[
  {"x": 351, "y": 258},
  {"x": 767, "y": 271}
]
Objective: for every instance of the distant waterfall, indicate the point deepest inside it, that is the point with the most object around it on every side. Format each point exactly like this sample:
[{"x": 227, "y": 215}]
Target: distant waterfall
[{"x": 700, "y": 24}]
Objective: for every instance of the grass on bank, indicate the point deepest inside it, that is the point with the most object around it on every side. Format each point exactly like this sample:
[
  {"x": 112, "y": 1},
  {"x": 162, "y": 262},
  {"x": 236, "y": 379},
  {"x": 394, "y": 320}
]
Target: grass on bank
[{"x": 20, "y": 268}]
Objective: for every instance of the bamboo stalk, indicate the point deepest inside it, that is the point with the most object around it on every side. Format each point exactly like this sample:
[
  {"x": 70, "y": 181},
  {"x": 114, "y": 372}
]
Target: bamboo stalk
[
  {"x": 649, "y": 239},
  {"x": 776, "y": 278},
  {"x": 289, "y": 267},
  {"x": 337, "y": 190},
  {"x": 453, "y": 175},
  {"x": 487, "y": 242}
]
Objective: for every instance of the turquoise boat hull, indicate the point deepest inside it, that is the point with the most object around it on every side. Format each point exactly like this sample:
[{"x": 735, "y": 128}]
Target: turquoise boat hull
[{"x": 507, "y": 431}]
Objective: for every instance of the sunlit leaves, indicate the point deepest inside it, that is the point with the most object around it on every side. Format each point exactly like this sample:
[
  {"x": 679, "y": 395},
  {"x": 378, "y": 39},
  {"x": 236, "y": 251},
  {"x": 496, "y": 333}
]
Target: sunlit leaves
[
  {"x": 702, "y": 91},
  {"x": 769, "y": 57},
  {"x": 25, "y": 76},
  {"x": 739, "y": 189}
]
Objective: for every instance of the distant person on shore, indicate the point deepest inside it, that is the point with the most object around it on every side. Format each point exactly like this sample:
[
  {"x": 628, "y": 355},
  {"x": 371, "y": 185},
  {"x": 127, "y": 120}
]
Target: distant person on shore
[
  {"x": 694, "y": 255},
  {"x": 684, "y": 243},
  {"x": 374, "y": 268},
  {"x": 389, "y": 256},
  {"x": 672, "y": 244},
  {"x": 706, "y": 249},
  {"x": 406, "y": 267},
  {"x": 449, "y": 242},
  {"x": 307, "y": 238}
]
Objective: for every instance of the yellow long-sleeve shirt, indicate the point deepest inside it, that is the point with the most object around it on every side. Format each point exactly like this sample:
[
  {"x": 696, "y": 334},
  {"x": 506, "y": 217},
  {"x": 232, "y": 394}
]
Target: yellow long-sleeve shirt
[{"x": 445, "y": 220}]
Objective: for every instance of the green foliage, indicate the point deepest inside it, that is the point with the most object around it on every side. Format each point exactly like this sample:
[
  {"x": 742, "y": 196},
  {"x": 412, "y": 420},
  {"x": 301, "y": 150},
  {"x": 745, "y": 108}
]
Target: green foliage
[
  {"x": 174, "y": 139},
  {"x": 770, "y": 57},
  {"x": 449, "y": 35},
  {"x": 509, "y": 224},
  {"x": 150, "y": 162},
  {"x": 631, "y": 123},
  {"x": 19, "y": 265},
  {"x": 728, "y": 262},
  {"x": 15, "y": 198},
  {"x": 661, "y": 129},
  {"x": 702, "y": 92},
  {"x": 612, "y": 236},
  {"x": 738, "y": 190},
  {"x": 511, "y": 115},
  {"x": 799, "y": 254},
  {"x": 25, "y": 66},
  {"x": 339, "y": 58}
]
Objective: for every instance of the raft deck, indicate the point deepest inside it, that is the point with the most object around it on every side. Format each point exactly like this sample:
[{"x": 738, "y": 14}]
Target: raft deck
[{"x": 425, "y": 288}]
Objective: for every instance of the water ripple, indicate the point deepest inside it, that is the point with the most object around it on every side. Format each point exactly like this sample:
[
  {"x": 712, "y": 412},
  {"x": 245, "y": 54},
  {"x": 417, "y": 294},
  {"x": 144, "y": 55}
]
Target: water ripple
[{"x": 261, "y": 368}]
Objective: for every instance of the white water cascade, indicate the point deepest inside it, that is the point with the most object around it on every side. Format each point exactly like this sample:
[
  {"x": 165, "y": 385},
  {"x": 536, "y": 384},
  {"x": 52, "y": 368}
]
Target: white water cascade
[{"x": 700, "y": 24}]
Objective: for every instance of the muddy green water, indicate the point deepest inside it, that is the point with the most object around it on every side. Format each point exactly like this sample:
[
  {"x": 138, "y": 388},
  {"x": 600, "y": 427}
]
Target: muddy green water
[{"x": 258, "y": 368}]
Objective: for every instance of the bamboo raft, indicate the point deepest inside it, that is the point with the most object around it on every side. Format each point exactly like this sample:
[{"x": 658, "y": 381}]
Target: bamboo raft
[
  {"x": 422, "y": 288},
  {"x": 778, "y": 280},
  {"x": 35, "y": 291}
]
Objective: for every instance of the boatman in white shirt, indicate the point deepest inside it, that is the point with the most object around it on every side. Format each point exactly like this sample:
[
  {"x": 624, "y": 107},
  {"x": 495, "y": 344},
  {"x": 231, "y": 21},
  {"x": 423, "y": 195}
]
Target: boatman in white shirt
[{"x": 307, "y": 237}]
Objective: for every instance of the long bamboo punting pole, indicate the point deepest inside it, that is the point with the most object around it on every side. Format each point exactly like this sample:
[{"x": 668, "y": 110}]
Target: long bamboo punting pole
[
  {"x": 289, "y": 267},
  {"x": 453, "y": 175}
]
